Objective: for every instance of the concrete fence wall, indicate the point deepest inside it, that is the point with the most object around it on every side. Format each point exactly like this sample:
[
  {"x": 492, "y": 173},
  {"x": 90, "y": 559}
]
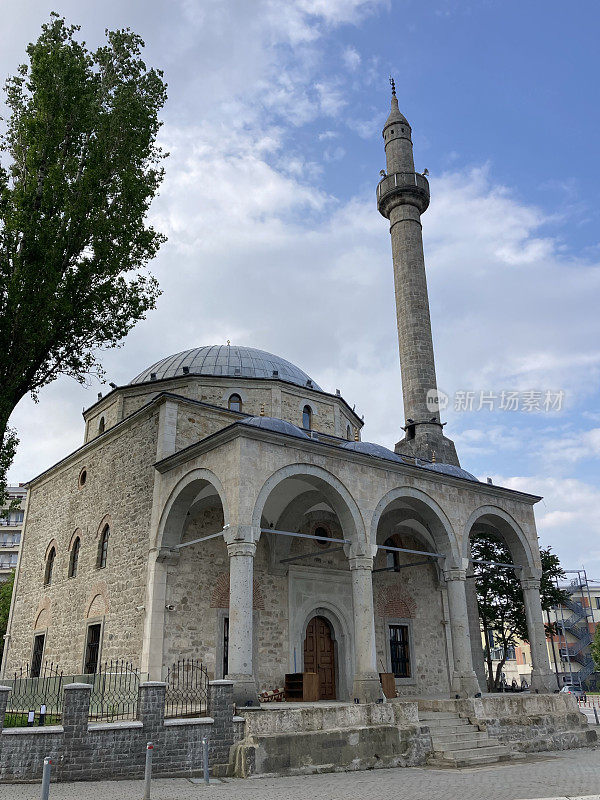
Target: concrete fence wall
[{"x": 81, "y": 750}]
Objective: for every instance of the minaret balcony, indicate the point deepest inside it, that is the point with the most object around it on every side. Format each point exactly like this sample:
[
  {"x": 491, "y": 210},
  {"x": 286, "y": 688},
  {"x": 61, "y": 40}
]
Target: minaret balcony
[{"x": 402, "y": 187}]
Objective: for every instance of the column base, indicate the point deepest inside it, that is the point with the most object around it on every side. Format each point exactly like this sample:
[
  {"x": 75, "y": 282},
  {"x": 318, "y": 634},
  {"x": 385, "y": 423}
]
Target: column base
[
  {"x": 466, "y": 685},
  {"x": 367, "y": 689},
  {"x": 543, "y": 682},
  {"x": 245, "y": 693}
]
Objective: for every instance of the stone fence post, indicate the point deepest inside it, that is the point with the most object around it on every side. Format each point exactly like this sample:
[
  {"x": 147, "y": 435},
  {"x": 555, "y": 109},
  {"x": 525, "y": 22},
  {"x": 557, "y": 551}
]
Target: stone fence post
[
  {"x": 76, "y": 708},
  {"x": 220, "y": 708},
  {"x": 151, "y": 705},
  {"x": 4, "y": 692}
]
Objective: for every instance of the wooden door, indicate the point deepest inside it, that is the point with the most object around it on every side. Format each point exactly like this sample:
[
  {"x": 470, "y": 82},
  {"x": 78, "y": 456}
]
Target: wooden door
[{"x": 319, "y": 656}]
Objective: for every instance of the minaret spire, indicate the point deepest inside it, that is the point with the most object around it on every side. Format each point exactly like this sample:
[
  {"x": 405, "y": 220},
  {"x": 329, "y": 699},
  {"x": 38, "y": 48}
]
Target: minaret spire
[{"x": 402, "y": 196}]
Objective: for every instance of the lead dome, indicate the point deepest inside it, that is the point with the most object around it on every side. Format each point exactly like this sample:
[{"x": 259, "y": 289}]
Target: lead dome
[{"x": 229, "y": 361}]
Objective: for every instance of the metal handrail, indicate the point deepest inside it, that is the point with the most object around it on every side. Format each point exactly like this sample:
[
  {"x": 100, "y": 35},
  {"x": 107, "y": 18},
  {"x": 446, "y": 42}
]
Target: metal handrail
[{"x": 396, "y": 179}]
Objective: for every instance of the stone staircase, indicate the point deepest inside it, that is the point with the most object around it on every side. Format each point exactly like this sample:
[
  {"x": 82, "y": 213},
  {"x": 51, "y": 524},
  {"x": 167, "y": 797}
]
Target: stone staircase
[{"x": 459, "y": 743}]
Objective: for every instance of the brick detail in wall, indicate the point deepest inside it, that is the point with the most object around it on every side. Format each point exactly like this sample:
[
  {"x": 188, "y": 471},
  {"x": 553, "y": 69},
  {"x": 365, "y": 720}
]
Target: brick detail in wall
[
  {"x": 396, "y": 603},
  {"x": 220, "y": 595}
]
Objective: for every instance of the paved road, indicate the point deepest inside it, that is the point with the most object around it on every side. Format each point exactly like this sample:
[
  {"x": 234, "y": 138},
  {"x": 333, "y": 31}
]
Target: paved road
[{"x": 572, "y": 774}]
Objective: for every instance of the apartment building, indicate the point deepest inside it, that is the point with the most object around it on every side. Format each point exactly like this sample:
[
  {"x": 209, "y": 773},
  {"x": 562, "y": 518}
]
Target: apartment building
[{"x": 11, "y": 525}]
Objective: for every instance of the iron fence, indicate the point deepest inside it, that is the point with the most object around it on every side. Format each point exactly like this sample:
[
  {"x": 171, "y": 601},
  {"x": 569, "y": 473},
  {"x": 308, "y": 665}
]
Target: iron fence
[
  {"x": 35, "y": 699},
  {"x": 114, "y": 692},
  {"x": 187, "y": 689}
]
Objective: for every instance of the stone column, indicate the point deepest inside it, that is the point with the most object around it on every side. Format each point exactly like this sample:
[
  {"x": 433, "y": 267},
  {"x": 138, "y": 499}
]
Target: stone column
[
  {"x": 154, "y": 622},
  {"x": 464, "y": 679},
  {"x": 367, "y": 687},
  {"x": 241, "y": 672},
  {"x": 542, "y": 678}
]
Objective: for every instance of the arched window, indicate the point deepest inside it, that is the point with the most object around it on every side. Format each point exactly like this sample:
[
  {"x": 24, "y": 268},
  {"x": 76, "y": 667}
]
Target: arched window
[
  {"x": 235, "y": 402},
  {"x": 392, "y": 561},
  {"x": 320, "y": 530},
  {"x": 348, "y": 433},
  {"x": 307, "y": 418},
  {"x": 101, "y": 426},
  {"x": 103, "y": 548},
  {"x": 49, "y": 566},
  {"x": 74, "y": 559}
]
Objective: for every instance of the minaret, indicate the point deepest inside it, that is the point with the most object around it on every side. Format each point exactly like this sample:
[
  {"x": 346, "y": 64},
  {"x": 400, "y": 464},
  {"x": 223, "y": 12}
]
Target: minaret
[{"x": 402, "y": 196}]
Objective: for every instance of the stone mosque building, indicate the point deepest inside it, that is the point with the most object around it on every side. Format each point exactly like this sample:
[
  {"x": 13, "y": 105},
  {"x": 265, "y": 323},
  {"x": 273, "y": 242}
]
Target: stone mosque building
[{"x": 224, "y": 507}]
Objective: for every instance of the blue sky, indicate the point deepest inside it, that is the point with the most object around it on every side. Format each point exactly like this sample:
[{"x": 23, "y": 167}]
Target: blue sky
[{"x": 273, "y": 123}]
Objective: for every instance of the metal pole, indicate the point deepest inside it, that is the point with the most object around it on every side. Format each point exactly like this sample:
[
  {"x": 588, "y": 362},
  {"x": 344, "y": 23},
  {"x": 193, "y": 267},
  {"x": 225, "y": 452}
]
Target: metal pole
[
  {"x": 148, "y": 771},
  {"x": 46, "y": 779},
  {"x": 205, "y": 758}
]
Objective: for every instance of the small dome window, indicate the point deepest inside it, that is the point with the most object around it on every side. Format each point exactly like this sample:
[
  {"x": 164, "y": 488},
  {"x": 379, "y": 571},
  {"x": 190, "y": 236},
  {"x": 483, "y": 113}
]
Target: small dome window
[
  {"x": 82, "y": 478},
  {"x": 307, "y": 418},
  {"x": 235, "y": 403},
  {"x": 321, "y": 530},
  {"x": 101, "y": 426},
  {"x": 348, "y": 433}
]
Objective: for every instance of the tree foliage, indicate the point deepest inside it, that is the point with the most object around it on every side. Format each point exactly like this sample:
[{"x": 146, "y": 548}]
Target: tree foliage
[
  {"x": 6, "y": 590},
  {"x": 500, "y": 597},
  {"x": 595, "y": 648},
  {"x": 79, "y": 167}
]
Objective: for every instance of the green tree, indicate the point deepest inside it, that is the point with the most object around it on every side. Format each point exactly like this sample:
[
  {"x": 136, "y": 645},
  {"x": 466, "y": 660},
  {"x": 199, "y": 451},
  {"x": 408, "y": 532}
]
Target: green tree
[
  {"x": 79, "y": 167},
  {"x": 500, "y": 598},
  {"x": 595, "y": 648},
  {"x": 6, "y": 590}
]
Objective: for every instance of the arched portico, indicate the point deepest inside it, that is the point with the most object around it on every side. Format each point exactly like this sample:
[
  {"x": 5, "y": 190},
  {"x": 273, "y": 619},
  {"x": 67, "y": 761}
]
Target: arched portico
[
  {"x": 198, "y": 489},
  {"x": 524, "y": 552},
  {"x": 282, "y": 502},
  {"x": 408, "y": 510}
]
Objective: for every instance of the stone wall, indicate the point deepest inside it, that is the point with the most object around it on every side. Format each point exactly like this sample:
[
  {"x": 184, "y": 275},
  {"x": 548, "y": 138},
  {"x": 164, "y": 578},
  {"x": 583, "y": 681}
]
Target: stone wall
[
  {"x": 85, "y": 751},
  {"x": 118, "y": 491}
]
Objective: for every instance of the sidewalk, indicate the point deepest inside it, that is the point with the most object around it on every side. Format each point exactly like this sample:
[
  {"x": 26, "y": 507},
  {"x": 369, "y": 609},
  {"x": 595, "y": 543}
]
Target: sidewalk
[{"x": 573, "y": 774}]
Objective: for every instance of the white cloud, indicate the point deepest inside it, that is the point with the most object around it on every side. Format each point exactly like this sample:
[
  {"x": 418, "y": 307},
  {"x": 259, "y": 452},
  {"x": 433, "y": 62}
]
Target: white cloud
[
  {"x": 351, "y": 58},
  {"x": 567, "y": 518}
]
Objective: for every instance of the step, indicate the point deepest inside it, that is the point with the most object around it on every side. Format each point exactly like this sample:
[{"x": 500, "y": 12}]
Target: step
[
  {"x": 438, "y": 715},
  {"x": 467, "y": 744},
  {"x": 464, "y": 734},
  {"x": 446, "y": 722},
  {"x": 493, "y": 751}
]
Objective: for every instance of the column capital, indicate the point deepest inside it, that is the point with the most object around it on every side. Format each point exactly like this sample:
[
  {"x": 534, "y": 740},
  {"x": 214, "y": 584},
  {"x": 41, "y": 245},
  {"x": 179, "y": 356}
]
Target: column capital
[
  {"x": 361, "y": 562},
  {"x": 455, "y": 574},
  {"x": 241, "y": 533},
  {"x": 241, "y": 549},
  {"x": 530, "y": 583}
]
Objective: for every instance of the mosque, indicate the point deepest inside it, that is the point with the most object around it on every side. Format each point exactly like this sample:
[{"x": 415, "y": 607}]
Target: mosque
[{"x": 223, "y": 507}]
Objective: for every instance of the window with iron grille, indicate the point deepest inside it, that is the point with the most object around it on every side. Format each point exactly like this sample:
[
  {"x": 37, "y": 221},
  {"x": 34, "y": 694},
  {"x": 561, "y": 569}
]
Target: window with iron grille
[
  {"x": 225, "y": 646},
  {"x": 38, "y": 653},
  {"x": 400, "y": 651},
  {"x": 92, "y": 649}
]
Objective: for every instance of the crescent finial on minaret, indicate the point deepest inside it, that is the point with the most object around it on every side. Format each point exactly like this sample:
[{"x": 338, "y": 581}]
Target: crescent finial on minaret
[{"x": 393, "y": 85}]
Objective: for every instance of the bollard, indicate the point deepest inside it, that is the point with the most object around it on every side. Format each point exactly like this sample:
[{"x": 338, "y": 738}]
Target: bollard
[
  {"x": 205, "y": 758},
  {"x": 148, "y": 771},
  {"x": 596, "y": 715},
  {"x": 46, "y": 779}
]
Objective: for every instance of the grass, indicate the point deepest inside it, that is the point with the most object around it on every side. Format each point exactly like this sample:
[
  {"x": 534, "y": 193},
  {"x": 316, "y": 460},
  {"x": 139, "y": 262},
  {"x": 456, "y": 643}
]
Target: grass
[{"x": 20, "y": 720}]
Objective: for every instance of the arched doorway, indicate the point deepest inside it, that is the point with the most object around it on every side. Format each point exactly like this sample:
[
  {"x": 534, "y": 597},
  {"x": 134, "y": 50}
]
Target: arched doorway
[{"x": 319, "y": 656}]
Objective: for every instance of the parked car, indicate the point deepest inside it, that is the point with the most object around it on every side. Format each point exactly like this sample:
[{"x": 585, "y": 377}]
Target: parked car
[{"x": 577, "y": 691}]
